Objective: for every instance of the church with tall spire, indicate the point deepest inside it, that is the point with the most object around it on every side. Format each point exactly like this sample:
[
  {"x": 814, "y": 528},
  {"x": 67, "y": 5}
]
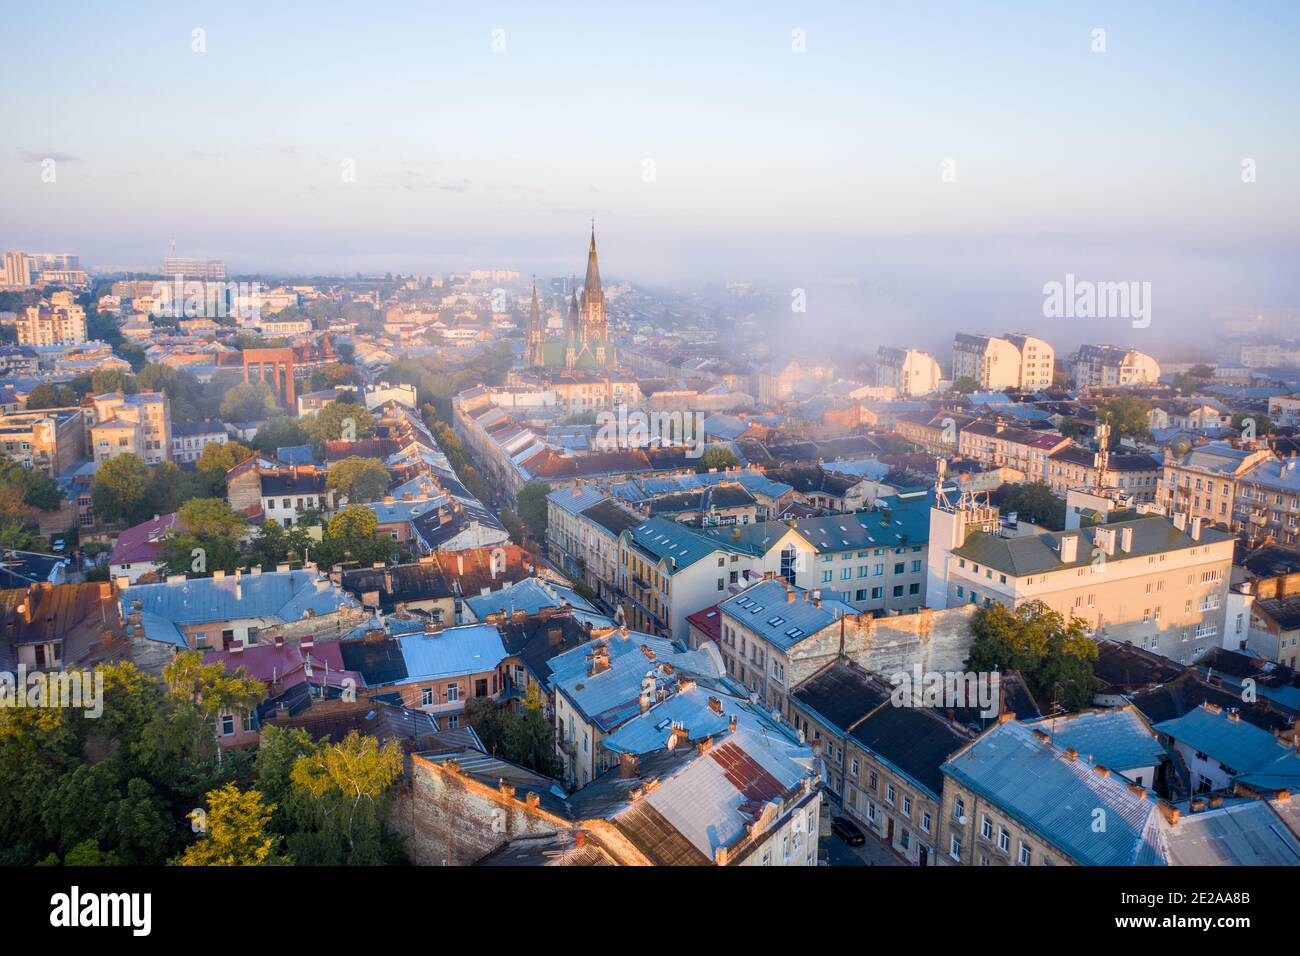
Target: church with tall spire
[{"x": 584, "y": 343}]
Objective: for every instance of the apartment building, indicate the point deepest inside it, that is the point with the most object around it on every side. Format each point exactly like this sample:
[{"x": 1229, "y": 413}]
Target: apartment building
[
  {"x": 1202, "y": 482},
  {"x": 190, "y": 438},
  {"x": 1037, "y": 360},
  {"x": 1016, "y": 360},
  {"x": 50, "y": 439},
  {"x": 1014, "y": 798},
  {"x": 582, "y": 531},
  {"x": 62, "y": 323},
  {"x": 997, "y": 444},
  {"x": 1158, "y": 583},
  {"x": 1102, "y": 366},
  {"x": 140, "y": 425},
  {"x": 774, "y": 635},
  {"x": 1134, "y": 476},
  {"x": 908, "y": 371},
  {"x": 1267, "y": 500}
]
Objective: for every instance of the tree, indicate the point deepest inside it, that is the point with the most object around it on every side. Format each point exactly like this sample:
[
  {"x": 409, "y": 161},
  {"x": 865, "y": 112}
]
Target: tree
[
  {"x": 347, "y": 782},
  {"x": 235, "y": 832},
  {"x": 249, "y": 402},
  {"x": 222, "y": 456},
  {"x": 1034, "y": 502},
  {"x": 120, "y": 491},
  {"x": 965, "y": 385},
  {"x": 716, "y": 456},
  {"x": 361, "y": 479},
  {"x": 47, "y": 395},
  {"x": 211, "y": 690},
  {"x": 339, "y": 419},
  {"x": 1128, "y": 417},
  {"x": 1052, "y": 655},
  {"x": 29, "y": 487},
  {"x": 211, "y": 518},
  {"x": 332, "y": 375},
  {"x": 281, "y": 432},
  {"x": 532, "y": 508},
  {"x": 112, "y": 380},
  {"x": 514, "y": 527},
  {"x": 1250, "y": 425}
]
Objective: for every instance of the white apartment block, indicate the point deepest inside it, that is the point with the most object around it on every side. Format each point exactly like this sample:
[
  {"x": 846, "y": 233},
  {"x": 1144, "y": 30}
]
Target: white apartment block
[
  {"x": 908, "y": 371},
  {"x": 1016, "y": 360},
  {"x": 1102, "y": 366}
]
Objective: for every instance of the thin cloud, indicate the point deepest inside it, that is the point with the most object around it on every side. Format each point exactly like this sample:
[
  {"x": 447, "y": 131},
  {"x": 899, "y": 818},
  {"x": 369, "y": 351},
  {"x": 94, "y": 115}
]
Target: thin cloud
[{"x": 36, "y": 156}]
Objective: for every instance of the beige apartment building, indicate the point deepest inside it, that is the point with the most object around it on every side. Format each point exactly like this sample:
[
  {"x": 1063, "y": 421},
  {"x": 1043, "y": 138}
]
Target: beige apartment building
[
  {"x": 997, "y": 444},
  {"x": 139, "y": 425},
  {"x": 1151, "y": 581},
  {"x": 50, "y": 439},
  {"x": 1015, "y": 360},
  {"x": 908, "y": 371},
  {"x": 1203, "y": 481},
  {"x": 63, "y": 323}
]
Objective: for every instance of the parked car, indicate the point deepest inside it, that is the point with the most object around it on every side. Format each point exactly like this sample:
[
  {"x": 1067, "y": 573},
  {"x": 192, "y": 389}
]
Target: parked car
[
  {"x": 59, "y": 545},
  {"x": 848, "y": 831}
]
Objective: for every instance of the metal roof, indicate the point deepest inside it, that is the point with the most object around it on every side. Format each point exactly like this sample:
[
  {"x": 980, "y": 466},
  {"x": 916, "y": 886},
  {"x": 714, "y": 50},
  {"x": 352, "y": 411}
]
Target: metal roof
[
  {"x": 765, "y": 609},
  {"x": 471, "y": 649},
  {"x": 1259, "y": 758},
  {"x": 1057, "y": 798},
  {"x": 1115, "y": 737},
  {"x": 1246, "y": 833}
]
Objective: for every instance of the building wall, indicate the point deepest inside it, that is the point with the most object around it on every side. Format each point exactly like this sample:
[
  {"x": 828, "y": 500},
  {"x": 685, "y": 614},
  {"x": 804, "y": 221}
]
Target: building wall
[{"x": 977, "y": 849}]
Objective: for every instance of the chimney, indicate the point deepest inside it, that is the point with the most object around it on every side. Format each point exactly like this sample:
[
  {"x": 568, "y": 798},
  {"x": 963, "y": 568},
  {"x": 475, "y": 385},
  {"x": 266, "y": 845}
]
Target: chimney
[
  {"x": 579, "y": 838},
  {"x": 1196, "y": 529},
  {"x": 1069, "y": 548},
  {"x": 307, "y": 641},
  {"x": 1180, "y": 520},
  {"x": 627, "y": 765},
  {"x": 279, "y": 639},
  {"x": 1126, "y": 538},
  {"x": 1104, "y": 538},
  {"x": 460, "y": 564},
  {"x": 731, "y": 724}
]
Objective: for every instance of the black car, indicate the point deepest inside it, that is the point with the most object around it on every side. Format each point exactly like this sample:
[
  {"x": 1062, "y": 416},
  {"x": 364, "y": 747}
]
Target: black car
[{"x": 848, "y": 831}]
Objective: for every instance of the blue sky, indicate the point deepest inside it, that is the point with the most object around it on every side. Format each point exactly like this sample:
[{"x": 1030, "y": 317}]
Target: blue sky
[{"x": 764, "y": 159}]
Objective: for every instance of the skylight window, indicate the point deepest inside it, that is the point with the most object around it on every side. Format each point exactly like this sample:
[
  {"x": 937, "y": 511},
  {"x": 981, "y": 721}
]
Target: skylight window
[
  {"x": 794, "y": 632},
  {"x": 776, "y": 621}
]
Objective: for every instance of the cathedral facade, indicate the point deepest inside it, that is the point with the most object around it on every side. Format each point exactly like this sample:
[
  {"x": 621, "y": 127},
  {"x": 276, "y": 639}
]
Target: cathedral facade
[{"x": 584, "y": 342}]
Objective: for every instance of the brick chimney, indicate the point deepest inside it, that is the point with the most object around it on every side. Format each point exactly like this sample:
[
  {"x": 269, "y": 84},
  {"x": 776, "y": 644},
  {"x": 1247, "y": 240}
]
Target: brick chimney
[{"x": 627, "y": 765}]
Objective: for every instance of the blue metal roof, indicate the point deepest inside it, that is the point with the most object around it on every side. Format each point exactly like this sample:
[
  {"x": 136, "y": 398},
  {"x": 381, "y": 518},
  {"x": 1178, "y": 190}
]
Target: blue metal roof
[
  {"x": 1057, "y": 798},
  {"x": 471, "y": 649},
  {"x": 1116, "y": 738},
  {"x": 530, "y": 595},
  {"x": 1259, "y": 758},
  {"x": 285, "y": 595},
  {"x": 765, "y": 609},
  {"x": 668, "y": 540}
]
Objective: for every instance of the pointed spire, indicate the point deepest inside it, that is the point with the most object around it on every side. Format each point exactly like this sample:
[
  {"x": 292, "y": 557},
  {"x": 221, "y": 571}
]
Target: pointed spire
[
  {"x": 593, "y": 270},
  {"x": 534, "y": 308}
]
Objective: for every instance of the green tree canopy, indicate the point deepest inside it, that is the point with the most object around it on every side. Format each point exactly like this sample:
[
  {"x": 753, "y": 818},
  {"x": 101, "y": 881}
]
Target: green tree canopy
[
  {"x": 1054, "y": 656},
  {"x": 361, "y": 479},
  {"x": 532, "y": 508},
  {"x": 235, "y": 832},
  {"x": 120, "y": 491},
  {"x": 716, "y": 456},
  {"x": 249, "y": 402}
]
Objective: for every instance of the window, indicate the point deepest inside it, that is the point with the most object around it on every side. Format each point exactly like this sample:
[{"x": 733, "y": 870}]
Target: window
[
  {"x": 426, "y": 697},
  {"x": 959, "y": 810},
  {"x": 954, "y": 848},
  {"x": 453, "y": 693},
  {"x": 889, "y": 794},
  {"x": 1026, "y": 855},
  {"x": 853, "y": 767},
  {"x": 925, "y": 821},
  {"x": 1004, "y": 839},
  {"x": 986, "y": 827},
  {"x": 227, "y": 725},
  {"x": 907, "y": 807}
]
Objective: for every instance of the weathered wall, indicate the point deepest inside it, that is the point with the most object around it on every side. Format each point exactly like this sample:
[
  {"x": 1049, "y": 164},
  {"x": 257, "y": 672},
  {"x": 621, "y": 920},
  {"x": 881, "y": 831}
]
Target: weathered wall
[
  {"x": 450, "y": 819},
  {"x": 937, "y": 640}
]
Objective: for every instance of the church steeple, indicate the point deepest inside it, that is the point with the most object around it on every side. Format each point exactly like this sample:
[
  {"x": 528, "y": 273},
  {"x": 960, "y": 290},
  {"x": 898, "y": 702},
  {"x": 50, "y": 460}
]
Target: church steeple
[
  {"x": 572, "y": 327},
  {"x": 595, "y": 326},
  {"x": 536, "y": 333}
]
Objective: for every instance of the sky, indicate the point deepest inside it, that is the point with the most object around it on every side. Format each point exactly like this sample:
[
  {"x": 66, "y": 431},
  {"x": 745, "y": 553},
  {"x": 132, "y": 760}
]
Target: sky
[{"x": 945, "y": 160}]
